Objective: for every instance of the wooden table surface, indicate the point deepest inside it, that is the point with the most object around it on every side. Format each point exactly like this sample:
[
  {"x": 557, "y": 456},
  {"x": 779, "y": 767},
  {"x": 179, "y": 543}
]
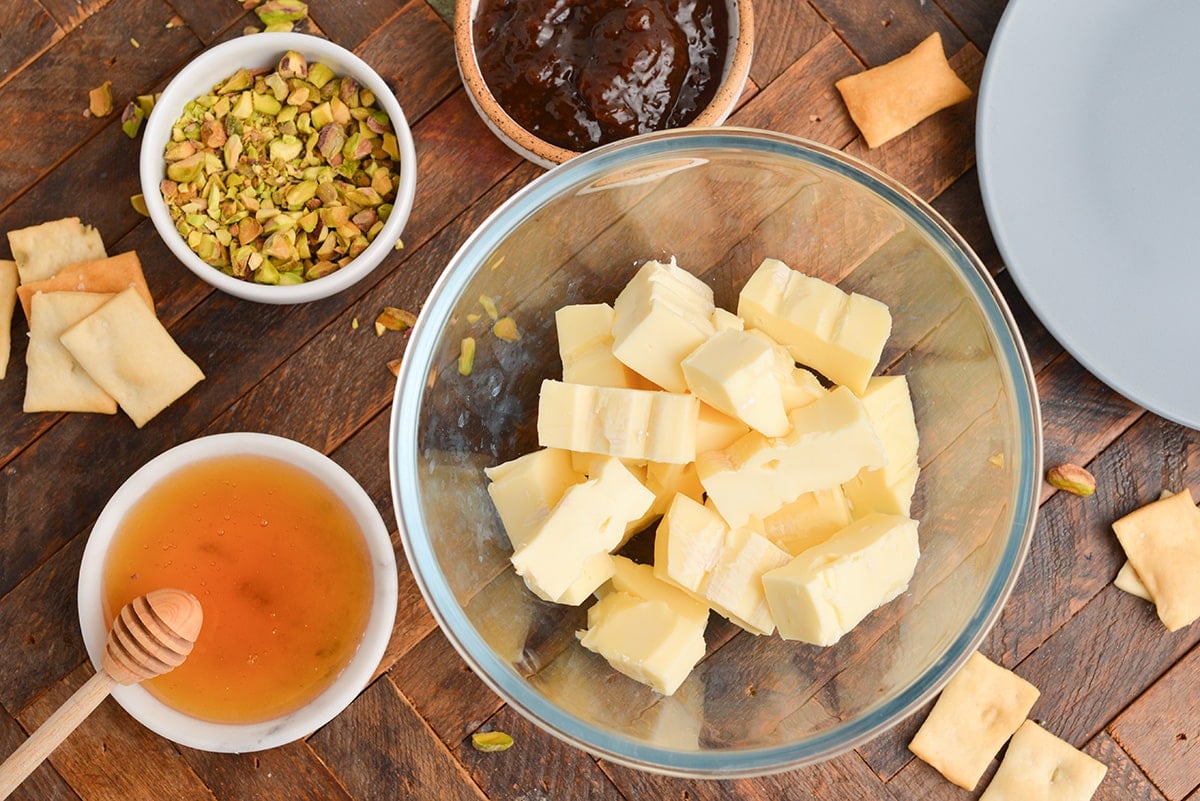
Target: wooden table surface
[{"x": 1113, "y": 681}]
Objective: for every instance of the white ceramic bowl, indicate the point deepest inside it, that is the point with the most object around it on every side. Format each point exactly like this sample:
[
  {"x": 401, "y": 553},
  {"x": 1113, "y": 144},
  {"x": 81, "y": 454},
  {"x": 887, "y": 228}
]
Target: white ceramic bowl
[
  {"x": 521, "y": 140},
  {"x": 254, "y": 52},
  {"x": 240, "y": 738}
]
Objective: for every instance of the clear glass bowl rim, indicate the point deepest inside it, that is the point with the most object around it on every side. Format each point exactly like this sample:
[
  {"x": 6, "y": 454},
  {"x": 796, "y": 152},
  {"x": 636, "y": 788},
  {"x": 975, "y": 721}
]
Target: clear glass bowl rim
[{"x": 500, "y": 676}]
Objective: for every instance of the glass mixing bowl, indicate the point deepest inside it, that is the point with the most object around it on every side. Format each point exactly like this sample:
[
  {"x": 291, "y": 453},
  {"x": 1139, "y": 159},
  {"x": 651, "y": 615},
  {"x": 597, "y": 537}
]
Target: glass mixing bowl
[{"x": 719, "y": 201}]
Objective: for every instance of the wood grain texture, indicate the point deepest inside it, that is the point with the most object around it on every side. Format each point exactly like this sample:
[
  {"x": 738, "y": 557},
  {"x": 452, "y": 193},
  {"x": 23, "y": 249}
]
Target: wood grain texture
[
  {"x": 1160, "y": 730},
  {"x": 1111, "y": 677}
]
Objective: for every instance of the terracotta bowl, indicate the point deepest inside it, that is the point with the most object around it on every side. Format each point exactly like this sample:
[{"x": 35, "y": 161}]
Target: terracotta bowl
[{"x": 543, "y": 153}]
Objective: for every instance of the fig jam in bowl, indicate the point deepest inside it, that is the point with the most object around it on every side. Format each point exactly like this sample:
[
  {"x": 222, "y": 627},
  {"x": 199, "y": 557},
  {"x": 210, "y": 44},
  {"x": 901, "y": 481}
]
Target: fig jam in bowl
[
  {"x": 294, "y": 571},
  {"x": 555, "y": 79}
]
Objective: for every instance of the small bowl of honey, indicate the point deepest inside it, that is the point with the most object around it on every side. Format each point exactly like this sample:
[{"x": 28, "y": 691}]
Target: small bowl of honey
[
  {"x": 554, "y": 79},
  {"x": 293, "y": 568}
]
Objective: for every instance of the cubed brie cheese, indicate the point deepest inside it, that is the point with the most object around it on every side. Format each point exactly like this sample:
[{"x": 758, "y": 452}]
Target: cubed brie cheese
[
  {"x": 827, "y": 590},
  {"x": 590, "y": 519},
  {"x": 662, "y": 315},
  {"x": 627, "y": 423},
  {"x": 807, "y": 521},
  {"x": 585, "y": 346},
  {"x": 647, "y": 640},
  {"x": 735, "y": 373},
  {"x": 830, "y": 441},
  {"x": 525, "y": 489},
  {"x": 837, "y": 334},
  {"x": 890, "y": 488}
]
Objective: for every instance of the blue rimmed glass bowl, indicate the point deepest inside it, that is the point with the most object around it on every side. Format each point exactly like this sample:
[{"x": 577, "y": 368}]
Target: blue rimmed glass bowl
[{"x": 719, "y": 201}]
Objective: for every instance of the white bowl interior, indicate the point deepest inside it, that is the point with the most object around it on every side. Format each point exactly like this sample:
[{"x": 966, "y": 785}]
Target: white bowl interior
[{"x": 208, "y": 736}]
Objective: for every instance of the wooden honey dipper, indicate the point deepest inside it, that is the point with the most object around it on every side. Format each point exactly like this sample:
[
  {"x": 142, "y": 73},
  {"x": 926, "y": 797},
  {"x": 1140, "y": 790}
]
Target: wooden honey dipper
[{"x": 152, "y": 635}]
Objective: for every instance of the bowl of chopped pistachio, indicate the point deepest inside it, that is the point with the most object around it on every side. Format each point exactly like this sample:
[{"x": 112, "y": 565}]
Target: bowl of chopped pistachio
[{"x": 279, "y": 168}]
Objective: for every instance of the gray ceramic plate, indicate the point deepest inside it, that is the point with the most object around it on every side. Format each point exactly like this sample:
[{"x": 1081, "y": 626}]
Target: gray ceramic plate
[{"x": 1087, "y": 129}]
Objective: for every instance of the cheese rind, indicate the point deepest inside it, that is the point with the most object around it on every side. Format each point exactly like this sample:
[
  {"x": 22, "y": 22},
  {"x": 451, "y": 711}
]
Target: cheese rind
[
  {"x": 662, "y": 315},
  {"x": 830, "y": 441},
  {"x": 626, "y": 423},
  {"x": 827, "y": 590},
  {"x": 837, "y": 334},
  {"x": 588, "y": 520},
  {"x": 525, "y": 489},
  {"x": 889, "y": 489},
  {"x": 735, "y": 373}
]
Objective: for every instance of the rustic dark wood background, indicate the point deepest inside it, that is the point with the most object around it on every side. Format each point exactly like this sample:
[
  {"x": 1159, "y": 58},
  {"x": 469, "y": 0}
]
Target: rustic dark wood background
[{"x": 1113, "y": 681}]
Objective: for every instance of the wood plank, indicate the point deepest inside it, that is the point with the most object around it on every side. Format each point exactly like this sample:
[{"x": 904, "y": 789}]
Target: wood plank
[
  {"x": 843, "y": 777},
  {"x": 1103, "y": 656},
  {"x": 802, "y": 100},
  {"x": 1124, "y": 781},
  {"x": 422, "y": 72},
  {"x": 70, "y": 13},
  {"x": 380, "y": 748},
  {"x": 783, "y": 32},
  {"x": 350, "y": 22},
  {"x": 443, "y": 689},
  {"x": 110, "y": 756},
  {"x": 44, "y": 784},
  {"x": 536, "y": 763},
  {"x": 290, "y": 772},
  {"x": 50, "y": 96},
  {"x": 40, "y": 626},
  {"x": 1160, "y": 730},
  {"x": 940, "y": 149},
  {"x": 38, "y": 30},
  {"x": 976, "y": 18},
  {"x": 879, "y": 34}
]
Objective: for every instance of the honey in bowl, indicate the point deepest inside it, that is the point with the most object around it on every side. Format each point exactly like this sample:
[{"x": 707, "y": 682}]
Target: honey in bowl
[{"x": 282, "y": 572}]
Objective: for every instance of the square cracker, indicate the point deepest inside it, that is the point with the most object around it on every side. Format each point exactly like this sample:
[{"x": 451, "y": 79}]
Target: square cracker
[
  {"x": 1162, "y": 543},
  {"x": 977, "y": 711},
  {"x": 55, "y": 381},
  {"x": 1040, "y": 767},
  {"x": 42, "y": 250},
  {"x": 887, "y": 100},
  {"x": 111, "y": 275},
  {"x": 131, "y": 355},
  {"x": 8, "y": 301}
]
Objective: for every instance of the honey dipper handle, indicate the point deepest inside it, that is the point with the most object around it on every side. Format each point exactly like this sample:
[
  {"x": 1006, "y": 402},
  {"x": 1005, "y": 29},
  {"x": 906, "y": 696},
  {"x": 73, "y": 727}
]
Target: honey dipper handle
[{"x": 66, "y": 718}]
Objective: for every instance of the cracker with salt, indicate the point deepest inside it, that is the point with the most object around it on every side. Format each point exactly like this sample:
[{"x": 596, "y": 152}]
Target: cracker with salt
[
  {"x": 977, "y": 711},
  {"x": 1040, "y": 767},
  {"x": 42, "y": 250},
  {"x": 55, "y": 382},
  {"x": 111, "y": 275},
  {"x": 129, "y": 353},
  {"x": 1162, "y": 542},
  {"x": 887, "y": 100},
  {"x": 8, "y": 301}
]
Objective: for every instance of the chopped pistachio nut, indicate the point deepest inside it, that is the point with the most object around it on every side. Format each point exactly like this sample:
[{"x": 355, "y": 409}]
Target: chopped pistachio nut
[
  {"x": 491, "y": 741},
  {"x": 354, "y": 324},
  {"x": 135, "y": 42},
  {"x": 273, "y": 177},
  {"x": 473, "y": 317},
  {"x": 393, "y": 319},
  {"x": 506, "y": 329},
  {"x": 997, "y": 459},
  {"x": 139, "y": 205},
  {"x": 100, "y": 100},
  {"x": 274, "y": 12},
  {"x": 393, "y": 366},
  {"x": 466, "y": 357},
  {"x": 131, "y": 119},
  {"x": 175, "y": 22},
  {"x": 489, "y": 306},
  {"x": 1073, "y": 479}
]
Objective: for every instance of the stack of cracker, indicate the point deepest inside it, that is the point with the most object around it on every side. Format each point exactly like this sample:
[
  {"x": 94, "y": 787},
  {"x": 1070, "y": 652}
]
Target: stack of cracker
[
  {"x": 981, "y": 708},
  {"x": 95, "y": 342}
]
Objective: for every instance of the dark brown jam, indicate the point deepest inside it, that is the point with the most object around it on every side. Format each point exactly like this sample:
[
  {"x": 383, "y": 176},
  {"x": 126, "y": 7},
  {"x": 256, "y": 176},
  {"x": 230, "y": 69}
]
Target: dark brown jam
[{"x": 581, "y": 73}]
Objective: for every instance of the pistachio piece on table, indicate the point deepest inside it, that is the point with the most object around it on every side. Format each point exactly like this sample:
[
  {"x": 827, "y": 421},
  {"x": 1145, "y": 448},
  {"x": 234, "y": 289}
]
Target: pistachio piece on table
[
  {"x": 274, "y": 12},
  {"x": 1073, "y": 479},
  {"x": 491, "y": 741},
  {"x": 466, "y": 356},
  {"x": 131, "y": 119},
  {"x": 100, "y": 100}
]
